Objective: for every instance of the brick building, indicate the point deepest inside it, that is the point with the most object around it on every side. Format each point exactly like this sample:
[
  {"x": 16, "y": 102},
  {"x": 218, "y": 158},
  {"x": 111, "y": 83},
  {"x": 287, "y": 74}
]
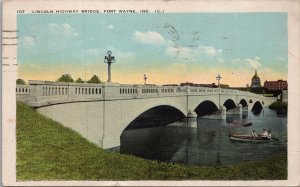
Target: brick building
[{"x": 276, "y": 85}]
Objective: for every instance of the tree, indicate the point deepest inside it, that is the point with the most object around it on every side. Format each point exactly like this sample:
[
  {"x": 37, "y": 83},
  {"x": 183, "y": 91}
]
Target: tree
[
  {"x": 65, "y": 78},
  {"x": 94, "y": 79},
  {"x": 20, "y": 81},
  {"x": 79, "y": 80}
]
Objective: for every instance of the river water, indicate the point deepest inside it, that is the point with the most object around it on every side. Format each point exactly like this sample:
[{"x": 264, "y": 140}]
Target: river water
[{"x": 206, "y": 142}]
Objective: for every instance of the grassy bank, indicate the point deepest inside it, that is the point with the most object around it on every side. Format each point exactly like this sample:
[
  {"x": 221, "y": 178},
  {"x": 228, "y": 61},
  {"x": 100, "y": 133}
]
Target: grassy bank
[{"x": 48, "y": 151}]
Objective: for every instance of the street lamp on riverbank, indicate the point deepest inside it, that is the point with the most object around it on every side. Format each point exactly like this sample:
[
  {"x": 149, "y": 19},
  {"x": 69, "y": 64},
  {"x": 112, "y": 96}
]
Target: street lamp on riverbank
[{"x": 109, "y": 59}]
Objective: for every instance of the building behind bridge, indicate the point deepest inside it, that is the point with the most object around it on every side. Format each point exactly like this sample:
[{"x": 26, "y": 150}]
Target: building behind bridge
[
  {"x": 277, "y": 88},
  {"x": 212, "y": 85},
  {"x": 276, "y": 85}
]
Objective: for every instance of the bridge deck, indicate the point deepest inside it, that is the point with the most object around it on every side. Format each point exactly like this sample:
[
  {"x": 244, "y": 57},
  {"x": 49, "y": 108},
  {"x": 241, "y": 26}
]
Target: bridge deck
[{"x": 41, "y": 93}]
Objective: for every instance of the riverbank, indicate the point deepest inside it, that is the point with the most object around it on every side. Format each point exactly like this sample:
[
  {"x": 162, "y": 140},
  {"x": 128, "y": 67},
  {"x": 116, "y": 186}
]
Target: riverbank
[
  {"x": 280, "y": 107},
  {"x": 46, "y": 150}
]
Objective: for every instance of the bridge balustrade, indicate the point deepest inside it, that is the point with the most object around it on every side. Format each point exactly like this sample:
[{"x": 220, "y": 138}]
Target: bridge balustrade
[
  {"x": 57, "y": 92},
  {"x": 125, "y": 91},
  {"x": 173, "y": 90},
  {"x": 167, "y": 90},
  {"x": 54, "y": 90},
  {"x": 22, "y": 90},
  {"x": 180, "y": 90},
  {"x": 202, "y": 90},
  {"x": 150, "y": 90}
]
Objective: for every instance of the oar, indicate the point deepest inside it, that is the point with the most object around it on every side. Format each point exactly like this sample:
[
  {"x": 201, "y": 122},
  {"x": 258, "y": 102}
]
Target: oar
[
  {"x": 275, "y": 138},
  {"x": 270, "y": 130}
]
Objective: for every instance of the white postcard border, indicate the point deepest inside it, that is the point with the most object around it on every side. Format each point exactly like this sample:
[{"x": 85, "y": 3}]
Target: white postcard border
[{"x": 9, "y": 73}]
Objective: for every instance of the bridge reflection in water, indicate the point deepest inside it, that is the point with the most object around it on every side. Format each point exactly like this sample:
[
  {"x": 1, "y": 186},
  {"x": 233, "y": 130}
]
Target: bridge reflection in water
[{"x": 208, "y": 144}]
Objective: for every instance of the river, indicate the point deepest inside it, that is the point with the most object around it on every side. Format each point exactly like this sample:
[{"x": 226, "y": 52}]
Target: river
[{"x": 206, "y": 142}]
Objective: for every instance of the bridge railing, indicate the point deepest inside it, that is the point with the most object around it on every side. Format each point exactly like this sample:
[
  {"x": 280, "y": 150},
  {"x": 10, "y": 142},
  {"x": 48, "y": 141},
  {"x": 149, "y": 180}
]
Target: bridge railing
[
  {"x": 23, "y": 90},
  {"x": 144, "y": 91},
  {"x": 57, "y": 92}
]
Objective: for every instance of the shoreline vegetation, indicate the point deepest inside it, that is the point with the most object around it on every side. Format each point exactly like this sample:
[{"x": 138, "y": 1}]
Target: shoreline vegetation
[
  {"x": 279, "y": 107},
  {"x": 46, "y": 150}
]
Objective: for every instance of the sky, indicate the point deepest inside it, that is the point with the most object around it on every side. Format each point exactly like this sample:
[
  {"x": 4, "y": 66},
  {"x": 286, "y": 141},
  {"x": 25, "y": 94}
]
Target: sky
[{"x": 169, "y": 48}]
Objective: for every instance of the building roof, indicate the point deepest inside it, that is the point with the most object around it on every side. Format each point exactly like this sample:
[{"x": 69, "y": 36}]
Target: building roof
[
  {"x": 255, "y": 77},
  {"x": 276, "y": 85},
  {"x": 255, "y": 83}
]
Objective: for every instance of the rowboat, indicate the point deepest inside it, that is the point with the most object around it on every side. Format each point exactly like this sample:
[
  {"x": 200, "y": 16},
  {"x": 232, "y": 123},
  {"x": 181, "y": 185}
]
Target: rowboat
[
  {"x": 240, "y": 125},
  {"x": 248, "y": 138}
]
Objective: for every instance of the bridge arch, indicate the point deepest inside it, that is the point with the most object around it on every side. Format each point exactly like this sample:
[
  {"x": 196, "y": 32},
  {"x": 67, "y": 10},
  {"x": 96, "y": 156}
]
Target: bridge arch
[
  {"x": 229, "y": 104},
  {"x": 156, "y": 116},
  {"x": 205, "y": 108},
  {"x": 243, "y": 102},
  {"x": 257, "y": 107}
]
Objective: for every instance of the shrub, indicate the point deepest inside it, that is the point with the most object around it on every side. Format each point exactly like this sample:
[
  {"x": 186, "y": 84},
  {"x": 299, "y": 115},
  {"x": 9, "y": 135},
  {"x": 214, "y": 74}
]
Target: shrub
[
  {"x": 65, "y": 78},
  {"x": 79, "y": 80},
  {"x": 94, "y": 79},
  {"x": 20, "y": 81},
  {"x": 278, "y": 105}
]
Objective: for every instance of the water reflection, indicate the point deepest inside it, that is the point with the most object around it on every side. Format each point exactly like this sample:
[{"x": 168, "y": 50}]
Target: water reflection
[{"x": 199, "y": 141}]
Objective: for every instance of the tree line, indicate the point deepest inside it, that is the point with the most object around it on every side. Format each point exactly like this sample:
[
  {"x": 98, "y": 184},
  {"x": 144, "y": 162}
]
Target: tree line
[{"x": 67, "y": 78}]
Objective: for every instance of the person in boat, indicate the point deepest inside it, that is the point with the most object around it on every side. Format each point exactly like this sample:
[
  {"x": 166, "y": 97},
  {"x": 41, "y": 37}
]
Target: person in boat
[
  {"x": 269, "y": 134},
  {"x": 264, "y": 134},
  {"x": 253, "y": 134}
]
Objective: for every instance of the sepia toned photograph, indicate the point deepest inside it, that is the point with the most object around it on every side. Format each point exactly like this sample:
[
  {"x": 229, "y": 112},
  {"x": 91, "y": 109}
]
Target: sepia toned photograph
[{"x": 148, "y": 93}]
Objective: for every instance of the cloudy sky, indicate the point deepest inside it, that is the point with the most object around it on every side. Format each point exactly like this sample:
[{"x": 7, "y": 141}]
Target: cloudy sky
[{"x": 169, "y": 48}]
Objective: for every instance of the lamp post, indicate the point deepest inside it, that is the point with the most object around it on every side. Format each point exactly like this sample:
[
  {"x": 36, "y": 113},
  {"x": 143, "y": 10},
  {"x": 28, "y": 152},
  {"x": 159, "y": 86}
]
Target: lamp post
[
  {"x": 145, "y": 79},
  {"x": 218, "y": 79},
  {"x": 109, "y": 60}
]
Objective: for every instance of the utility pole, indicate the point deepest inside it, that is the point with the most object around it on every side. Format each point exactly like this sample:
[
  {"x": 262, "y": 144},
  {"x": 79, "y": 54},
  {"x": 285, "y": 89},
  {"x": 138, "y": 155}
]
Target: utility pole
[{"x": 109, "y": 60}]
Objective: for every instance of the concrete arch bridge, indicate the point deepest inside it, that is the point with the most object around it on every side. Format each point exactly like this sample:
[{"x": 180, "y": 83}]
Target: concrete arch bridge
[{"x": 101, "y": 112}]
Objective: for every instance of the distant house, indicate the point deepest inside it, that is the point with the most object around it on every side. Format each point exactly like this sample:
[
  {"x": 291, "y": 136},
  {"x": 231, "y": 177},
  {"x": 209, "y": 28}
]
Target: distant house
[
  {"x": 276, "y": 85},
  {"x": 170, "y": 85},
  {"x": 212, "y": 85}
]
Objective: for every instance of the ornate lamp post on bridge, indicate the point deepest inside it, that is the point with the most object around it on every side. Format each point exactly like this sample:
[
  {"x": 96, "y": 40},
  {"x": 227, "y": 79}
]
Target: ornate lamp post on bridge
[
  {"x": 145, "y": 79},
  {"x": 109, "y": 59},
  {"x": 218, "y": 79}
]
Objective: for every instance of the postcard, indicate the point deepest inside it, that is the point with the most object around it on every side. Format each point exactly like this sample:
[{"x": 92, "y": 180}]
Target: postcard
[{"x": 140, "y": 93}]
